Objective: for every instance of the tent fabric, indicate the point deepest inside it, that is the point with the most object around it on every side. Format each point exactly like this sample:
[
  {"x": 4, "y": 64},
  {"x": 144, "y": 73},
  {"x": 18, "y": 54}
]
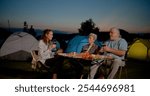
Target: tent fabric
[
  {"x": 19, "y": 55},
  {"x": 76, "y": 44},
  {"x": 20, "y": 43},
  {"x": 140, "y": 50}
]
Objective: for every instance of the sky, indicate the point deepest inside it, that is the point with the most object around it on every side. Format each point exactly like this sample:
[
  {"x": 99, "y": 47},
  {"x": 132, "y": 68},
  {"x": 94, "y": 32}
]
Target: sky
[{"x": 67, "y": 15}]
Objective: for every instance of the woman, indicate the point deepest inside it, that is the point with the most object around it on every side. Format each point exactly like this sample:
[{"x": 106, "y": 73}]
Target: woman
[
  {"x": 91, "y": 47},
  {"x": 45, "y": 46},
  {"x": 46, "y": 55},
  {"x": 87, "y": 50}
]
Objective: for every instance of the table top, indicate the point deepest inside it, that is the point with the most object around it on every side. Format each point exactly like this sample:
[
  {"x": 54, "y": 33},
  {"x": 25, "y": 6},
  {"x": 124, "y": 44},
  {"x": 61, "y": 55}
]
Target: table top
[
  {"x": 70, "y": 55},
  {"x": 85, "y": 56}
]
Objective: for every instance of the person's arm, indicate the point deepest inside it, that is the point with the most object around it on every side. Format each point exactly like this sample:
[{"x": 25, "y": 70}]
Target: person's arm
[
  {"x": 42, "y": 51},
  {"x": 115, "y": 51},
  {"x": 59, "y": 51},
  {"x": 122, "y": 48},
  {"x": 84, "y": 48}
]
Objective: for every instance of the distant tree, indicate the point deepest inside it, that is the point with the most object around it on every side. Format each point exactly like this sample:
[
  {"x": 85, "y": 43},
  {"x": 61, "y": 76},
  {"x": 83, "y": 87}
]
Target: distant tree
[
  {"x": 88, "y": 27},
  {"x": 25, "y": 28}
]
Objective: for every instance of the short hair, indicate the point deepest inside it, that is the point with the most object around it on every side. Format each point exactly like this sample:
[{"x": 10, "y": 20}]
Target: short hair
[
  {"x": 93, "y": 35},
  {"x": 114, "y": 29}
]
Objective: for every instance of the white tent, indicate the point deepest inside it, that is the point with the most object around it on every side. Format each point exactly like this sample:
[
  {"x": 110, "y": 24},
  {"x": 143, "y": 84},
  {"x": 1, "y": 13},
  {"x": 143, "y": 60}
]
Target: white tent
[{"x": 18, "y": 46}]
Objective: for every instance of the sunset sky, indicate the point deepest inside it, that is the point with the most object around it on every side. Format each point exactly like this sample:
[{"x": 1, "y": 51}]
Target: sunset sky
[{"x": 67, "y": 15}]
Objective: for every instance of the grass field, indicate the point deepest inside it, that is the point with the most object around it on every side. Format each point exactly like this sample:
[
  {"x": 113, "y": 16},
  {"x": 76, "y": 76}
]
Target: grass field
[{"x": 22, "y": 70}]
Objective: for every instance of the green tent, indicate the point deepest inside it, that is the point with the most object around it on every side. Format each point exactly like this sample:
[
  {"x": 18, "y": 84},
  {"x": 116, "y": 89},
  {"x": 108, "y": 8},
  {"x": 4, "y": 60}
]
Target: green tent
[{"x": 140, "y": 50}]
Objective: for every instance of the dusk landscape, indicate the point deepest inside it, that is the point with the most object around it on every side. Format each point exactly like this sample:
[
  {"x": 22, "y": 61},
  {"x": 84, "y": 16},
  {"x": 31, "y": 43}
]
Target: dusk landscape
[{"x": 71, "y": 18}]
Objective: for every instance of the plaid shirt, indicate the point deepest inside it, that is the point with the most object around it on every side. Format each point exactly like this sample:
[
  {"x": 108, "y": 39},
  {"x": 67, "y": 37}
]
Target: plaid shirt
[{"x": 92, "y": 50}]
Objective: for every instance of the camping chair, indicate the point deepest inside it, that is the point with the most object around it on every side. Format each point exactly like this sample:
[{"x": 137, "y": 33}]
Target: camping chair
[
  {"x": 119, "y": 73},
  {"x": 123, "y": 68},
  {"x": 105, "y": 70},
  {"x": 34, "y": 54},
  {"x": 95, "y": 65},
  {"x": 36, "y": 64}
]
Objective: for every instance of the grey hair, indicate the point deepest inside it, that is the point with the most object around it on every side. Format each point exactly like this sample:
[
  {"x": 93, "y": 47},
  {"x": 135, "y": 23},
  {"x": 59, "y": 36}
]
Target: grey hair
[
  {"x": 114, "y": 29},
  {"x": 93, "y": 35}
]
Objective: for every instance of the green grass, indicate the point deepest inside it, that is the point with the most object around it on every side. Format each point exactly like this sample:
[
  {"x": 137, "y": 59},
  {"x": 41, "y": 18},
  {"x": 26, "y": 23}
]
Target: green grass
[{"x": 22, "y": 70}]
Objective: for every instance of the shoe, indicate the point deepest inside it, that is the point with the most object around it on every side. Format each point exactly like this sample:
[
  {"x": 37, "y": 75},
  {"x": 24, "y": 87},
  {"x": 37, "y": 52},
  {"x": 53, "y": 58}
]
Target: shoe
[{"x": 54, "y": 76}]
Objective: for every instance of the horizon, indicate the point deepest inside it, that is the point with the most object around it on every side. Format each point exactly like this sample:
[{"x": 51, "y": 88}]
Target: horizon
[
  {"x": 64, "y": 32},
  {"x": 67, "y": 15}
]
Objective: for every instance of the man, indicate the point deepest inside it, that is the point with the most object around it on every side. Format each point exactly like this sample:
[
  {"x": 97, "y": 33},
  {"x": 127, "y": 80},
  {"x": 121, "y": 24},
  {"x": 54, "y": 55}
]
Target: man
[{"x": 115, "y": 48}]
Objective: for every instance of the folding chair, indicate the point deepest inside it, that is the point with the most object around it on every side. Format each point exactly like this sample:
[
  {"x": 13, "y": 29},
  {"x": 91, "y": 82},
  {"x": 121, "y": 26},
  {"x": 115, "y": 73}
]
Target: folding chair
[
  {"x": 36, "y": 64},
  {"x": 95, "y": 65},
  {"x": 121, "y": 68},
  {"x": 34, "y": 54}
]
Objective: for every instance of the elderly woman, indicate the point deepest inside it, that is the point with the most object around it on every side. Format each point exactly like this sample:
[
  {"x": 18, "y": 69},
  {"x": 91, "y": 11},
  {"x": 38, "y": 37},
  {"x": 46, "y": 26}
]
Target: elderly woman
[{"x": 91, "y": 47}]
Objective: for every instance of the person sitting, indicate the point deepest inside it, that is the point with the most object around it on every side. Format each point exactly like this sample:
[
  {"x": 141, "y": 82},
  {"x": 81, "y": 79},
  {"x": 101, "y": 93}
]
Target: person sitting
[
  {"x": 90, "y": 48},
  {"x": 114, "y": 48},
  {"x": 46, "y": 54}
]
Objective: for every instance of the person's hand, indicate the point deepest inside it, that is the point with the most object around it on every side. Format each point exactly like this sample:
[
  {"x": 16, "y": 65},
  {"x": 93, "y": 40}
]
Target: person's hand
[
  {"x": 96, "y": 56},
  {"x": 52, "y": 46},
  {"x": 106, "y": 48},
  {"x": 60, "y": 51},
  {"x": 101, "y": 50},
  {"x": 109, "y": 57}
]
